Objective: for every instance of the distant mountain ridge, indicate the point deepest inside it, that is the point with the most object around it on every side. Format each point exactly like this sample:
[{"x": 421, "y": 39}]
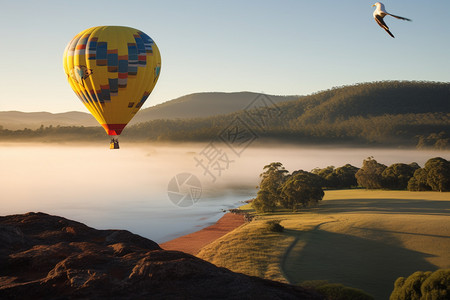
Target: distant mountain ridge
[
  {"x": 15, "y": 120},
  {"x": 201, "y": 105},
  {"x": 197, "y": 105}
]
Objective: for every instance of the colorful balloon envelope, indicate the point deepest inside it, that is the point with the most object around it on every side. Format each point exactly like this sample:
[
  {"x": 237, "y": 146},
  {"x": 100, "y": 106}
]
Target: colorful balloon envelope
[{"x": 113, "y": 70}]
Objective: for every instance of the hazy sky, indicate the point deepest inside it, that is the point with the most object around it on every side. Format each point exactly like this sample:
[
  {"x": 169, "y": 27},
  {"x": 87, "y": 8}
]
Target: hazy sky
[{"x": 282, "y": 47}]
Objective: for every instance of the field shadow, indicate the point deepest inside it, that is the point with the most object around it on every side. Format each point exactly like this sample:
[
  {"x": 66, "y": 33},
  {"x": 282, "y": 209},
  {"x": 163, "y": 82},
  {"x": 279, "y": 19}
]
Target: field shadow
[
  {"x": 372, "y": 266},
  {"x": 386, "y": 206},
  {"x": 384, "y": 232}
]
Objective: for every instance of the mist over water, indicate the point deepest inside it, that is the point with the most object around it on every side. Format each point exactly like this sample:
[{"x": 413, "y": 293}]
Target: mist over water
[{"x": 127, "y": 188}]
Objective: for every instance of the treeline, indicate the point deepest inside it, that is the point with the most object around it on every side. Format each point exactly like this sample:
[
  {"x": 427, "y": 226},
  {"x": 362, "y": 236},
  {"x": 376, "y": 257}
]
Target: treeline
[
  {"x": 53, "y": 133},
  {"x": 434, "y": 176},
  {"x": 391, "y": 113},
  {"x": 279, "y": 189},
  {"x": 419, "y": 131}
]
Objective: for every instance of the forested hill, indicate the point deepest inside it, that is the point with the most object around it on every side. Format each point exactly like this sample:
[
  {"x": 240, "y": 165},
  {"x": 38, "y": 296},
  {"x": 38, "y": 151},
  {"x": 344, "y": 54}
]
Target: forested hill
[
  {"x": 389, "y": 113},
  {"x": 372, "y": 99}
]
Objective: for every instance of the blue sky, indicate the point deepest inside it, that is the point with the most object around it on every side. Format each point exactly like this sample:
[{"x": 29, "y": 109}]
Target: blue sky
[{"x": 284, "y": 47}]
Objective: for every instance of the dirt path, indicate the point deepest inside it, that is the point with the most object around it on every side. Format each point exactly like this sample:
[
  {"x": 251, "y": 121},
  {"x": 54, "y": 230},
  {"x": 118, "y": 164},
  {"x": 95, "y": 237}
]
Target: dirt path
[{"x": 193, "y": 242}]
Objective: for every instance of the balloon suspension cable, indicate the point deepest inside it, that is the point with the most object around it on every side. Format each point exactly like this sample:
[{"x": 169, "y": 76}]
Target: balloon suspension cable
[{"x": 114, "y": 144}]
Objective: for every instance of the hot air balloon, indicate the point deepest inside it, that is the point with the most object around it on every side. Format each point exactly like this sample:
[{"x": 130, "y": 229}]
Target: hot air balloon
[{"x": 113, "y": 70}]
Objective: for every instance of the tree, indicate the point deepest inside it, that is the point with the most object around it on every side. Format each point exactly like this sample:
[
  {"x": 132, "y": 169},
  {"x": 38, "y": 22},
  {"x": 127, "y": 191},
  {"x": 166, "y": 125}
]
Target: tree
[
  {"x": 345, "y": 176},
  {"x": 369, "y": 176},
  {"x": 397, "y": 176},
  {"x": 438, "y": 174},
  {"x": 328, "y": 176},
  {"x": 419, "y": 181},
  {"x": 435, "y": 175},
  {"x": 423, "y": 286},
  {"x": 268, "y": 196},
  {"x": 276, "y": 168},
  {"x": 338, "y": 178},
  {"x": 437, "y": 285},
  {"x": 409, "y": 288},
  {"x": 263, "y": 202},
  {"x": 301, "y": 189}
]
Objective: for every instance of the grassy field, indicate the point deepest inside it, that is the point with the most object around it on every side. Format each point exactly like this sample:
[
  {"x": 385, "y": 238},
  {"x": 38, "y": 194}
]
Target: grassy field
[{"x": 363, "y": 239}]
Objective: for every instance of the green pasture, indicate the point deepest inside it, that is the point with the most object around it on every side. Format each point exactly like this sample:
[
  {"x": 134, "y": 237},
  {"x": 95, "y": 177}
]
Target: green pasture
[{"x": 362, "y": 239}]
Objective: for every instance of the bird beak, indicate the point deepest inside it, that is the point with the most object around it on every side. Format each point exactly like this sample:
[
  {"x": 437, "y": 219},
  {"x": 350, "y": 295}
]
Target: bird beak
[{"x": 373, "y": 5}]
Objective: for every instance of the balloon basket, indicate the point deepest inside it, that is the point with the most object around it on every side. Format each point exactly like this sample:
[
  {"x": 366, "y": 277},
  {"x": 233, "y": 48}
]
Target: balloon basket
[{"x": 114, "y": 144}]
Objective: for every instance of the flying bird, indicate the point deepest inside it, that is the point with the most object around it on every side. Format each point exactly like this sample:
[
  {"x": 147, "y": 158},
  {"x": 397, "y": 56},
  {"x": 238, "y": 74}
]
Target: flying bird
[{"x": 380, "y": 12}]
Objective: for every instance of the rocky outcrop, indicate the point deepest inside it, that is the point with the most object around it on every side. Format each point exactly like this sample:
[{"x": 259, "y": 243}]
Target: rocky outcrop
[{"x": 49, "y": 257}]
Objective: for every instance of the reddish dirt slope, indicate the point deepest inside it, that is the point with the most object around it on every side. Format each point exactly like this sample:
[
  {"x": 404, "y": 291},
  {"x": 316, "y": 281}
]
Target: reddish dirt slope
[{"x": 192, "y": 243}]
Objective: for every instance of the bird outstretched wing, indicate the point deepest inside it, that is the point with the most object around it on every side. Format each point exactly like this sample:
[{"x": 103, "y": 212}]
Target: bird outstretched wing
[
  {"x": 398, "y": 17},
  {"x": 383, "y": 25}
]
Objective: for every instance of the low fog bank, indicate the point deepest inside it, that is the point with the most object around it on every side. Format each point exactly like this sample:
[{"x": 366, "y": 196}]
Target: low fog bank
[{"x": 128, "y": 188}]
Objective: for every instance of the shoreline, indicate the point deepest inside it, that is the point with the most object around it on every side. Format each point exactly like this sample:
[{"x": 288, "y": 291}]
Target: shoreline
[{"x": 192, "y": 243}]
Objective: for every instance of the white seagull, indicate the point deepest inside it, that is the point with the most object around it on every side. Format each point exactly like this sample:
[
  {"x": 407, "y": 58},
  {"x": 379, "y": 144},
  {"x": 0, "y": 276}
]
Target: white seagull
[{"x": 380, "y": 12}]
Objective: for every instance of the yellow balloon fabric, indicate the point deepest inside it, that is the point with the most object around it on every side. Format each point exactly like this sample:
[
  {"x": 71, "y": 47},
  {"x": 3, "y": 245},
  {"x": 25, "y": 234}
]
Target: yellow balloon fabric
[{"x": 113, "y": 70}]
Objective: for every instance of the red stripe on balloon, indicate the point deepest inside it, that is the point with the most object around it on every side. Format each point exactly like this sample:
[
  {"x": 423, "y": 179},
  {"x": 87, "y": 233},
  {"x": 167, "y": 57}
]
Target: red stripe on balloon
[{"x": 114, "y": 129}]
